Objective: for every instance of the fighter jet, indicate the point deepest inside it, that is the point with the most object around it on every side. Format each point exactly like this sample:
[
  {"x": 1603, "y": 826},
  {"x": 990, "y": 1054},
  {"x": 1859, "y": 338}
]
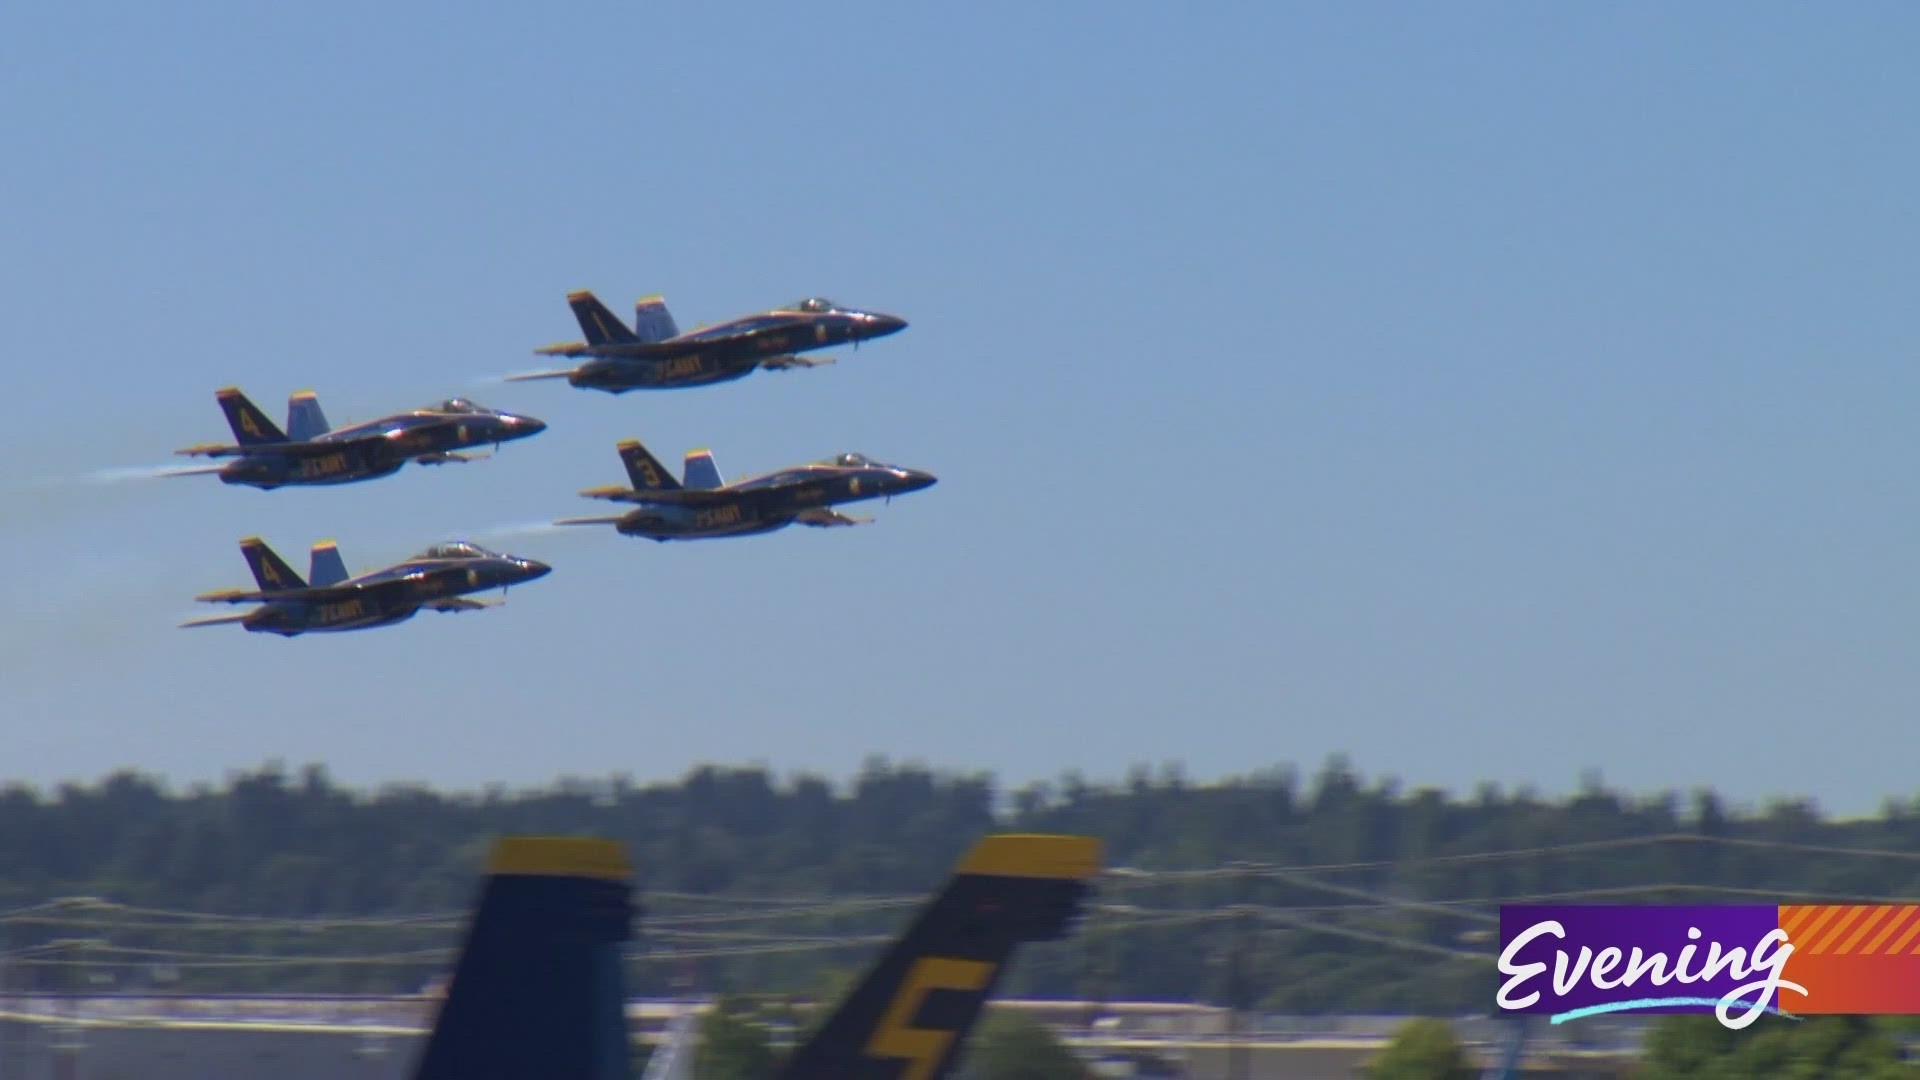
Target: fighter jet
[
  {"x": 701, "y": 506},
  {"x": 308, "y": 453},
  {"x": 655, "y": 355},
  {"x": 437, "y": 578}
]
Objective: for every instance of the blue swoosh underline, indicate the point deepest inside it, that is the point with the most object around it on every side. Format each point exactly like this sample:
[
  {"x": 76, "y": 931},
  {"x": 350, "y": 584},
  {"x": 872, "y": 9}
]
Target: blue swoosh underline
[{"x": 1648, "y": 1003}]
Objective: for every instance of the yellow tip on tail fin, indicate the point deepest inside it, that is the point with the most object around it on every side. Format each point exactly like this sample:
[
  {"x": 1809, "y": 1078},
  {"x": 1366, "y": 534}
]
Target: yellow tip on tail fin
[
  {"x": 1033, "y": 855},
  {"x": 560, "y": 856}
]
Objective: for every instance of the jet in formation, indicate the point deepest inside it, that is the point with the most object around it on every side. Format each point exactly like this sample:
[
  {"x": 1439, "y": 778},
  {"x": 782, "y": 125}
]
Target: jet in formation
[
  {"x": 539, "y": 987},
  {"x": 438, "y": 579},
  {"x": 308, "y": 452},
  {"x": 655, "y": 355},
  {"x": 700, "y": 505}
]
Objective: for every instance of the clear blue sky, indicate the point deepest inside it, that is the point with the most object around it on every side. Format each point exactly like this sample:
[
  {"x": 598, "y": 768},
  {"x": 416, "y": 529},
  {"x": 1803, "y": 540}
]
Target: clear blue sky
[{"x": 1484, "y": 391}]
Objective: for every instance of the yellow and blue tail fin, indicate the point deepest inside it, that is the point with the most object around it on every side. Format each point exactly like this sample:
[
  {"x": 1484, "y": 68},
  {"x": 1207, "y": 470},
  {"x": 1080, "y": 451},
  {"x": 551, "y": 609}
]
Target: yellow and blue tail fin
[
  {"x": 644, "y": 469},
  {"x": 699, "y": 470},
  {"x": 911, "y": 1014},
  {"x": 270, "y": 571},
  {"x": 538, "y": 990},
  {"x": 250, "y": 426},
  {"x": 601, "y": 326},
  {"x": 325, "y": 566},
  {"x": 305, "y": 421},
  {"x": 652, "y": 322}
]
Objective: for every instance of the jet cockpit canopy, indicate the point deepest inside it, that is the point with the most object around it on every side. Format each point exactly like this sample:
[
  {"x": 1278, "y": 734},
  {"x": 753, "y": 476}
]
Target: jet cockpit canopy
[{"x": 457, "y": 549}]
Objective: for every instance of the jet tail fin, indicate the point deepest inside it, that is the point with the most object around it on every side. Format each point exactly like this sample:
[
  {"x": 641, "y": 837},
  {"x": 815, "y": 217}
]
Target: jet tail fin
[
  {"x": 325, "y": 566},
  {"x": 305, "y": 421},
  {"x": 538, "y": 989},
  {"x": 908, "y": 1017},
  {"x": 652, "y": 322},
  {"x": 269, "y": 569},
  {"x": 601, "y": 326},
  {"x": 644, "y": 469},
  {"x": 250, "y": 426},
  {"x": 700, "y": 471}
]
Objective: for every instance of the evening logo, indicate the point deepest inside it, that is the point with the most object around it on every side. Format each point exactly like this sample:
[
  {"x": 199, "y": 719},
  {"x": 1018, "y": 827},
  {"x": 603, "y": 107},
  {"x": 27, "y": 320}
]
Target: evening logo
[
  {"x": 1736, "y": 961},
  {"x": 1583, "y": 961}
]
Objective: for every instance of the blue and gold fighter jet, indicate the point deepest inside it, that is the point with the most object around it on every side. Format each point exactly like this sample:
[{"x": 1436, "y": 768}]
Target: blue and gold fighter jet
[
  {"x": 701, "y": 506},
  {"x": 437, "y": 579},
  {"x": 309, "y": 453},
  {"x": 655, "y": 355}
]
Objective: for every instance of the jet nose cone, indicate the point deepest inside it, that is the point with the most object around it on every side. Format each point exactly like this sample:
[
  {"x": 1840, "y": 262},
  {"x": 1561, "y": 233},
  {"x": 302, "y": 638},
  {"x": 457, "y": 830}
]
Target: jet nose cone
[
  {"x": 920, "y": 478},
  {"x": 524, "y": 425},
  {"x": 882, "y": 325},
  {"x": 534, "y": 568}
]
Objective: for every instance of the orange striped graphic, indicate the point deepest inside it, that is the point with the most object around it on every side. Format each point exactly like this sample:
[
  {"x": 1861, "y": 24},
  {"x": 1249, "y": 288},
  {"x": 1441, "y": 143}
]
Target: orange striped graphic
[
  {"x": 1820, "y": 916},
  {"x": 1869, "y": 918},
  {"x": 1853, "y": 959},
  {"x": 1902, "y": 916},
  {"x": 1792, "y": 917},
  {"x": 1901, "y": 945},
  {"x": 1851, "y": 929},
  {"x": 1830, "y": 937}
]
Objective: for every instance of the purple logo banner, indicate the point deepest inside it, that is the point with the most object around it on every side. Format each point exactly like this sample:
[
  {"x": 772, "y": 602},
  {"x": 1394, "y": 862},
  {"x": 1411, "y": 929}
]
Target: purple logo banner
[{"x": 1574, "y": 960}]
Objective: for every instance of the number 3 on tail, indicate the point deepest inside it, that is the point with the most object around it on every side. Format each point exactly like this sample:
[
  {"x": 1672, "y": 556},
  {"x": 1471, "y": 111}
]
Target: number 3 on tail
[{"x": 923, "y": 1047}]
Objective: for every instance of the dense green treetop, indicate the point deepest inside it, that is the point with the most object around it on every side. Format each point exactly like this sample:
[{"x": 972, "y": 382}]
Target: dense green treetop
[{"x": 1701, "y": 1048}]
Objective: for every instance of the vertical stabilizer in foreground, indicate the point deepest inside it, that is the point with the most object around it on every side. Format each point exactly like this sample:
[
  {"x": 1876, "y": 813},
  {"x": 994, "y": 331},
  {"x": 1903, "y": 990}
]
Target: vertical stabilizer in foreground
[
  {"x": 538, "y": 990},
  {"x": 910, "y": 1015}
]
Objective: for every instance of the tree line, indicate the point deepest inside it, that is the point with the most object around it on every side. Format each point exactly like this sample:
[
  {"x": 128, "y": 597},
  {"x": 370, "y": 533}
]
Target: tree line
[{"x": 1320, "y": 893}]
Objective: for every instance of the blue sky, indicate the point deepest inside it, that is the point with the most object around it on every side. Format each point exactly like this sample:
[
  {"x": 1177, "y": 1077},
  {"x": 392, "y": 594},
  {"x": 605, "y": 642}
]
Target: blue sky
[{"x": 1481, "y": 391}]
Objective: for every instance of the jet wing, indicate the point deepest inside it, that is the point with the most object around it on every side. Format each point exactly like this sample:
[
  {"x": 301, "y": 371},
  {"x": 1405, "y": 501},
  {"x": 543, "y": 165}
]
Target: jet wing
[
  {"x": 789, "y": 360},
  {"x": 326, "y": 592},
  {"x": 254, "y": 596},
  {"x": 459, "y": 603},
  {"x": 294, "y": 448},
  {"x": 216, "y": 620},
  {"x": 662, "y": 496},
  {"x": 654, "y": 350},
  {"x": 825, "y": 518},
  {"x": 613, "y": 492},
  {"x": 667, "y": 497}
]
